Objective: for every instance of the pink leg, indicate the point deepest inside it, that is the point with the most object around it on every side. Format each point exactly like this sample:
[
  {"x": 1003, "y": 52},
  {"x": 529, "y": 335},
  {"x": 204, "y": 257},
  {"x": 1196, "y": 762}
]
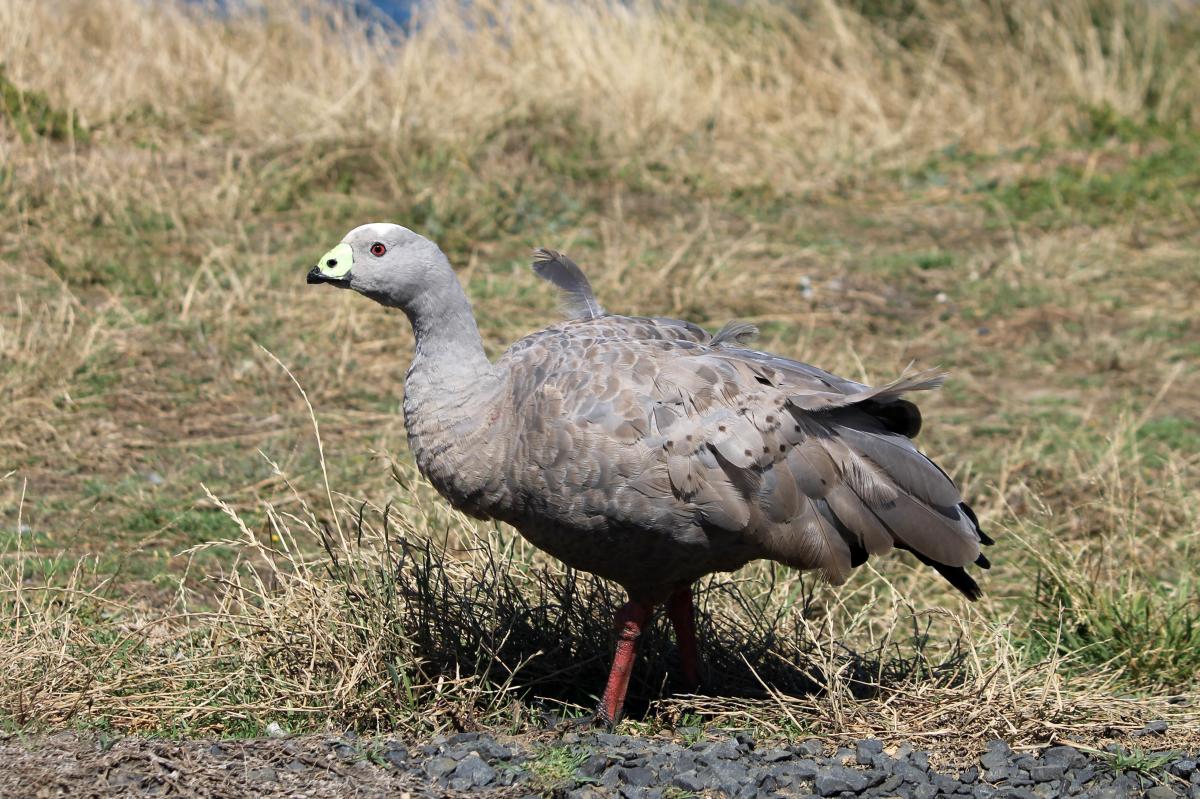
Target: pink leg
[
  {"x": 631, "y": 620},
  {"x": 683, "y": 618}
]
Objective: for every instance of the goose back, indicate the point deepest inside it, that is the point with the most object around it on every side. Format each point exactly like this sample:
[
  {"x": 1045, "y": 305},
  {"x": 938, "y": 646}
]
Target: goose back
[{"x": 650, "y": 453}]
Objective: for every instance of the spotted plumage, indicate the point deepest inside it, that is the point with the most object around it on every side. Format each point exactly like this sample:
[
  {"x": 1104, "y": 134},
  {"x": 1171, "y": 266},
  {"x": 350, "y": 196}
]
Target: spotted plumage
[{"x": 651, "y": 453}]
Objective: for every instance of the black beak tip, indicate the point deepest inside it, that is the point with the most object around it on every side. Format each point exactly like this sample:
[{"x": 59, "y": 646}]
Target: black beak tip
[{"x": 315, "y": 276}]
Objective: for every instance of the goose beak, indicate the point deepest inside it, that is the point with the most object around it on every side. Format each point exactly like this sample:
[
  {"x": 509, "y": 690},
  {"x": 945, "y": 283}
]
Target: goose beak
[{"x": 334, "y": 267}]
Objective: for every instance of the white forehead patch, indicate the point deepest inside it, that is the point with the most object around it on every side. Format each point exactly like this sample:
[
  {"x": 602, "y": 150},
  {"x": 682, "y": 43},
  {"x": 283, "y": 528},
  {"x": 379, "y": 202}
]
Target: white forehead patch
[{"x": 375, "y": 231}]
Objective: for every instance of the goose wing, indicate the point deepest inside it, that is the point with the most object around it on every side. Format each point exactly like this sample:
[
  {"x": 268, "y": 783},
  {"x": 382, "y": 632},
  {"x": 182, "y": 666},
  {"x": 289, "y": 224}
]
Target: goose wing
[{"x": 815, "y": 470}]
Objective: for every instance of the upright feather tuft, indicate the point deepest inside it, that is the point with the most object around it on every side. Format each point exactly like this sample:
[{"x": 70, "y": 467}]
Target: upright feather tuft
[
  {"x": 734, "y": 333},
  {"x": 578, "y": 300}
]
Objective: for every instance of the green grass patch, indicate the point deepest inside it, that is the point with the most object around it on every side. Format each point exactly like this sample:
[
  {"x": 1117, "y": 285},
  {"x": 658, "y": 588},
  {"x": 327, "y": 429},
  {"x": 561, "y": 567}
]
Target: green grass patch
[
  {"x": 33, "y": 115},
  {"x": 1148, "y": 629},
  {"x": 556, "y": 767}
]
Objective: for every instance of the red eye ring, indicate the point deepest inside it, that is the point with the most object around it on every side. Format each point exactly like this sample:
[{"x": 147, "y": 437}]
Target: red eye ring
[{"x": 377, "y": 249}]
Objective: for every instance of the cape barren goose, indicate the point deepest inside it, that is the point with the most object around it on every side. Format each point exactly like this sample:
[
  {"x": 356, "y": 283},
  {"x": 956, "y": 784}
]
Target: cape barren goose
[{"x": 650, "y": 452}]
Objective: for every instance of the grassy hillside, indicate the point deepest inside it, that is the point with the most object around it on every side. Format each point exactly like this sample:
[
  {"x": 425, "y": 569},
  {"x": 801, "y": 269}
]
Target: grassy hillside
[{"x": 1002, "y": 189}]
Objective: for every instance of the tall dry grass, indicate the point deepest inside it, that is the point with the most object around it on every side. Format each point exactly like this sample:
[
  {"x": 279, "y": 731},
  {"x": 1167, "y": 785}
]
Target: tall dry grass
[{"x": 785, "y": 94}]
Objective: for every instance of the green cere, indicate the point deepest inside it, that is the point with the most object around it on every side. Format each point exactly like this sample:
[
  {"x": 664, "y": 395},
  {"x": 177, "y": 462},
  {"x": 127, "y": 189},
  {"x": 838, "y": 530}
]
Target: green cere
[{"x": 336, "y": 262}]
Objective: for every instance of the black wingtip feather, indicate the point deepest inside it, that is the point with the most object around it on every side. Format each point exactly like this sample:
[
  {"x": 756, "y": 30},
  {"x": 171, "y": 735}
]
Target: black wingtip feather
[
  {"x": 956, "y": 575},
  {"x": 984, "y": 538},
  {"x": 959, "y": 578},
  {"x": 897, "y": 415}
]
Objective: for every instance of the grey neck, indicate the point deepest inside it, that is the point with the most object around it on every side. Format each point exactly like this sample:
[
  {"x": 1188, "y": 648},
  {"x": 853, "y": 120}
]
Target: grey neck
[
  {"x": 452, "y": 399},
  {"x": 449, "y": 366}
]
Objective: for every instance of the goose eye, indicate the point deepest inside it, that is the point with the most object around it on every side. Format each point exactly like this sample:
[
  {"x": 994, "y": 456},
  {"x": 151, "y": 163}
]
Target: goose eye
[{"x": 377, "y": 249}]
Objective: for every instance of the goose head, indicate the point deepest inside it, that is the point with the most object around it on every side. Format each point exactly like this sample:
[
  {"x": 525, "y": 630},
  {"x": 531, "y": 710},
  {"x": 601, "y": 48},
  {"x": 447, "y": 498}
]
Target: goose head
[{"x": 388, "y": 263}]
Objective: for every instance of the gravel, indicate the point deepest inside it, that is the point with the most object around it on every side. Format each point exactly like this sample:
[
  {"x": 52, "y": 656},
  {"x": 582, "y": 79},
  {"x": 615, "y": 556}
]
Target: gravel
[{"x": 582, "y": 765}]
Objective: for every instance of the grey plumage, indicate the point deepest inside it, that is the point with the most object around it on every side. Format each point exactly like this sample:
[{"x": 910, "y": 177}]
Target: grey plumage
[{"x": 651, "y": 453}]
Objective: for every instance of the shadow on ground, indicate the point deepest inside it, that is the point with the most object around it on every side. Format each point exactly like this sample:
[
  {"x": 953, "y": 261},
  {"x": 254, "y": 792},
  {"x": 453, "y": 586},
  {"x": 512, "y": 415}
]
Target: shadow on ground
[{"x": 549, "y": 634}]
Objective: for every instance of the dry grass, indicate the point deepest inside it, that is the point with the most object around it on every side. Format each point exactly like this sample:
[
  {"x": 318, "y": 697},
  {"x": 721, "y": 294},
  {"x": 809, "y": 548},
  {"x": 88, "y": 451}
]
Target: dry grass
[{"x": 1001, "y": 189}]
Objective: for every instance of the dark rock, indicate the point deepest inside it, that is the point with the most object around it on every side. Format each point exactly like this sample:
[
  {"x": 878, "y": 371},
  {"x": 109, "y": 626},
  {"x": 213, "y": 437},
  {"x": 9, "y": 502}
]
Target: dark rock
[
  {"x": 462, "y": 738},
  {"x": 1086, "y": 774},
  {"x": 890, "y": 783},
  {"x": 776, "y": 755},
  {"x": 671, "y": 763},
  {"x": 264, "y": 774},
  {"x": 730, "y": 776},
  {"x": 689, "y": 781},
  {"x": 610, "y": 779},
  {"x": 218, "y": 751},
  {"x": 1067, "y": 756},
  {"x": 925, "y": 790},
  {"x": 745, "y": 740},
  {"x": 1046, "y": 790},
  {"x": 638, "y": 776},
  {"x": 1003, "y": 774},
  {"x": 612, "y": 741},
  {"x": 768, "y": 783},
  {"x": 1047, "y": 773},
  {"x": 472, "y": 769},
  {"x": 866, "y": 749},
  {"x": 296, "y": 766},
  {"x": 1020, "y": 793},
  {"x": 594, "y": 766},
  {"x": 945, "y": 783},
  {"x": 437, "y": 767},
  {"x": 803, "y": 769},
  {"x": 1129, "y": 780},
  {"x": 920, "y": 760},
  {"x": 1182, "y": 768},
  {"x": 1108, "y": 793},
  {"x": 632, "y": 792},
  {"x": 969, "y": 775},
  {"x": 810, "y": 748},
  {"x": 994, "y": 759},
  {"x": 491, "y": 750},
  {"x": 882, "y": 761},
  {"x": 345, "y": 751},
  {"x": 726, "y": 750},
  {"x": 1158, "y": 727},
  {"x": 835, "y": 779},
  {"x": 1160, "y": 792},
  {"x": 586, "y": 792}
]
